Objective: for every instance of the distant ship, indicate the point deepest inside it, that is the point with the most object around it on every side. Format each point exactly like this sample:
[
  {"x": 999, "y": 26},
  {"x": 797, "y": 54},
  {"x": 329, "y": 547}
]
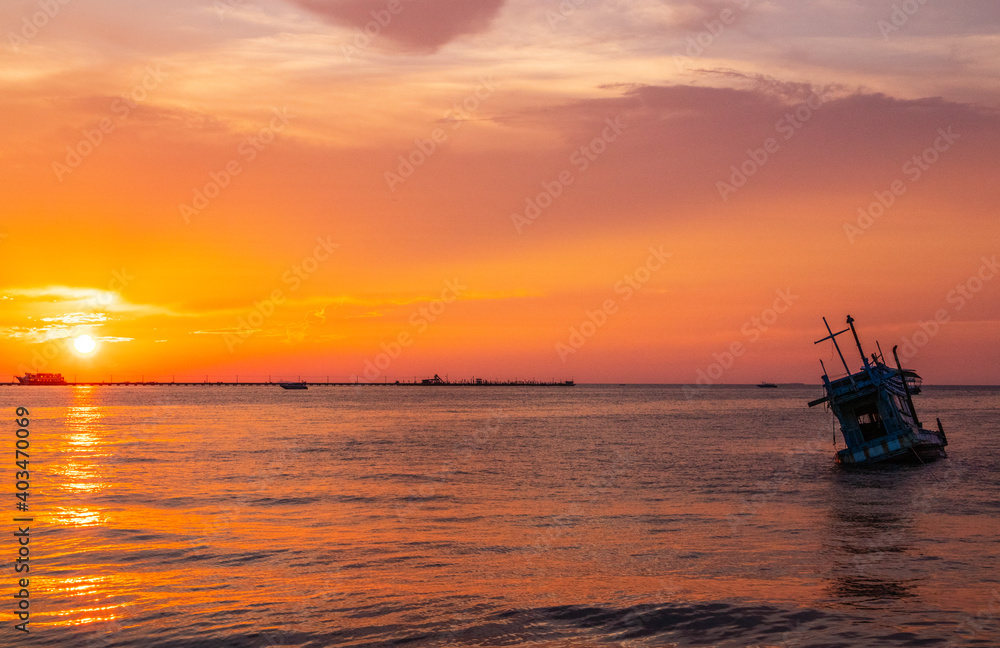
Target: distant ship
[
  {"x": 767, "y": 385},
  {"x": 293, "y": 385},
  {"x": 875, "y": 410},
  {"x": 483, "y": 382},
  {"x": 41, "y": 379}
]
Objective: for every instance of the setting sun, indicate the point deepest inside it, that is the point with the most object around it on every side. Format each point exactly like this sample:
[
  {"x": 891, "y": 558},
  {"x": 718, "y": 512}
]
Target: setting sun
[
  {"x": 521, "y": 322},
  {"x": 283, "y": 234},
  {"x": 84, "y": 344}
]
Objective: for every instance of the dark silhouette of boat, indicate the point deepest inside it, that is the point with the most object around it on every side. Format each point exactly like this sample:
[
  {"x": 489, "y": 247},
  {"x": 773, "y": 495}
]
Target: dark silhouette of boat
[
  {"x": 41, "y": 379},
  {"x": 767, "y": 385},
  {"x": 293, "y": 385},
  {"x": 875, "y": 410},
  {"x": 483, "y": 382}
]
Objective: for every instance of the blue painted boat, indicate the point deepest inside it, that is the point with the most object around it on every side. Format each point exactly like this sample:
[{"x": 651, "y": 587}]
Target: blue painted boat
[{"x": 875, "y": 410}]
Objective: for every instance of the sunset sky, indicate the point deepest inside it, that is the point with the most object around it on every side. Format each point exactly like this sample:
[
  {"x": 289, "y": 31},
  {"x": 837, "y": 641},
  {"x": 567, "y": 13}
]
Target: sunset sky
[{"x": 610, "y": 191}]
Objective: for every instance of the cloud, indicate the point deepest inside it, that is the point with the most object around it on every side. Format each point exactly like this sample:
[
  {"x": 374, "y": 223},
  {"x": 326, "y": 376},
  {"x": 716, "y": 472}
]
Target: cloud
[
  {"x": 78, "y": 318},
  {"x": 419, "y": 27},
  {"x": 45, "y": 334},
  {"x": 37, "y": 335},
  {"x": 84, "y": 298},
  {"x": 682, "y": 141}
]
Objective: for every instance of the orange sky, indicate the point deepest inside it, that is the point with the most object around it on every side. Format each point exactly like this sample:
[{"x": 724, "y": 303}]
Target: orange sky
[{"x": 261, "y": 187}]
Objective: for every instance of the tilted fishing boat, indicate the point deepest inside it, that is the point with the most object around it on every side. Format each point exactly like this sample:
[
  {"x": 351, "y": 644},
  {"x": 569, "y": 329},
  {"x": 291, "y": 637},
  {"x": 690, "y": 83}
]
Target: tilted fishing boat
[{"x": 875, "y": 410}]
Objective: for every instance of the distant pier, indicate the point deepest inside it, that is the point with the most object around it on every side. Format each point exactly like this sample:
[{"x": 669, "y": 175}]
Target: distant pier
[{"x": 427, "y": 382}]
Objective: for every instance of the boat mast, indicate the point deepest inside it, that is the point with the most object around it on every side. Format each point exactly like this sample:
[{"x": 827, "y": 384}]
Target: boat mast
[
  {"x": 833, "y": 336},
  {"x": 850, "y": 322},
  {"x": 906, "y": 388}
]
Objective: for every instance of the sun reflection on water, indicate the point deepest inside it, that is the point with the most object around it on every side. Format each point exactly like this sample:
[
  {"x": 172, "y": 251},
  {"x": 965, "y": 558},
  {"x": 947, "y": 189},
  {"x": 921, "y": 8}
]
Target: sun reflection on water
[
  {"x": 82, "y": 449},
  {"x": 91, "y": 602},
  {"x": 80, "y": 516}
]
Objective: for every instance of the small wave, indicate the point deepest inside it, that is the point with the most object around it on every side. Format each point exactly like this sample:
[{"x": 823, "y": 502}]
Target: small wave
[
  {"x": 284, "y": 501},
  {"x": 715, "y": 624},
  {"x": 252, "y": 556}
]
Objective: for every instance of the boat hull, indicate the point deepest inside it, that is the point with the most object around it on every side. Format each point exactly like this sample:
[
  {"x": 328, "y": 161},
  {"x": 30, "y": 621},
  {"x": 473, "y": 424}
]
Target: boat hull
[{"x": 919, "y": 446}]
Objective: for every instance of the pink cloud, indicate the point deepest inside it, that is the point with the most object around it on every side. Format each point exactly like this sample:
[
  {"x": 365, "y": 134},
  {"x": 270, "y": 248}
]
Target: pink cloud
[{"x": 415, "y": 26}]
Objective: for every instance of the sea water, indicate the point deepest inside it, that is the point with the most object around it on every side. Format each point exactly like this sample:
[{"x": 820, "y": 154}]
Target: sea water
[{"x": 592, "y": 515}]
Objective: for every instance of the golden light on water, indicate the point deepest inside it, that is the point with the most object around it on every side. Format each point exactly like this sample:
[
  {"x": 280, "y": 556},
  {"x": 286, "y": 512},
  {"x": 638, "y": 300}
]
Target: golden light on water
[
  {"x": 93, "y": 590},
  {"x": 82, "y": 471},
  {"x": 81, "y": 516}
]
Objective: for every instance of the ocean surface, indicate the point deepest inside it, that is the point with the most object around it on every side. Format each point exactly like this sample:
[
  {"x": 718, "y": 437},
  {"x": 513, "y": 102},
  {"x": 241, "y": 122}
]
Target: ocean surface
[{"x": 596, "y": 515}]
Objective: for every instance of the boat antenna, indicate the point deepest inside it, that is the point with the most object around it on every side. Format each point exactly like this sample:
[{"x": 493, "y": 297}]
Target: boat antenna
[
  {"x": 833, "y": 336},
  {"x": 864, "y": 358},
  {"x": 906, "y": 388},
  {"x": 880, "y": 354}
]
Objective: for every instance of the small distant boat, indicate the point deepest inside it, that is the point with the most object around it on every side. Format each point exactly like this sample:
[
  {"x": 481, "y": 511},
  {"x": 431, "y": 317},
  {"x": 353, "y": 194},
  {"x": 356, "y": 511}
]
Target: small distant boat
[
  {"x": 875, "y": 410},
  {"x": 767, "y": 385},
  {"x": 293, "y": 385},
  {"x": 41, "y": 379}
]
